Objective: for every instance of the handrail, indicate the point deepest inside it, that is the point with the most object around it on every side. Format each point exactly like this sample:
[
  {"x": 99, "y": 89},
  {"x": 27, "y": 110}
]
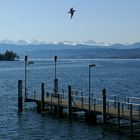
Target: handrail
[
  {"x": 130, "y": 103},
  {"x": 133, "y": 98},
  {"x": 81, "y": 96}
]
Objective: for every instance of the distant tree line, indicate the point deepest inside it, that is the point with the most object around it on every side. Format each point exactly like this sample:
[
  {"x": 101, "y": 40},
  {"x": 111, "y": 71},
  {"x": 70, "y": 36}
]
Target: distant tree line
[{"x": 8, "y": 56}]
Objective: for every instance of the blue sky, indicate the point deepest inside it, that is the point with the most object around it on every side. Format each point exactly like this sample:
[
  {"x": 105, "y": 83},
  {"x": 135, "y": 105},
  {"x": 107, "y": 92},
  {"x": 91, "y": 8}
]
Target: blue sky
[{"x": 109, "y": 21}]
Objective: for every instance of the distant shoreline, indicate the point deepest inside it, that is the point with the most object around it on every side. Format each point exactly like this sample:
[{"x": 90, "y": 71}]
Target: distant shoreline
[
  {"x": 9, "y": 56},
  {"x": 79, "y": 51},
  {"x": 72, "y": 59}
]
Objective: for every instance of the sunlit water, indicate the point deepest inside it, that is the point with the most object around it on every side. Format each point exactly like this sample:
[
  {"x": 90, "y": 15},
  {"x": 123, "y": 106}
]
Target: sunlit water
[{"x": 121, "y": 77}]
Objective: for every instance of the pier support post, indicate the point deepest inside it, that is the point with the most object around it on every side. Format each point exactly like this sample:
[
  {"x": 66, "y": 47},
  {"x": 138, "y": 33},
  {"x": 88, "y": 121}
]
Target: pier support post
[
  {"x": 91, "y": 117},
  {"x": 55, "y": 109},
  {"x": 82, "y": 99},
  {"x": 104, "y": 106},
  {"x": 69, "y": 101},
  {"x": 131, "y": 124},
  {"x": 122, "y": 109},
  {"x": 42, "y": 95},
  {"x": 139, "y": 112},
  {"x": 58, "y": 105},
  {"x": 118, "y": 116},
  {"x": 20, "y": 95},
  {"x": 39, "y": 109},
  {"x": 60, "y": 111}
]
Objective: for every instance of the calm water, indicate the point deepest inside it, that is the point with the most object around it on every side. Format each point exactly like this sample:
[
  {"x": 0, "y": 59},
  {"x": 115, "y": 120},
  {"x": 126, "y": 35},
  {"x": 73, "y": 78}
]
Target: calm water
[{"x": 121, "y": 77}]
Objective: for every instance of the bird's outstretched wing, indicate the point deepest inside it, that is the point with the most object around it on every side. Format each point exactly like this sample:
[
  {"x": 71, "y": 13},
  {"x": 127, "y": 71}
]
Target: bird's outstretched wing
[{"x": 71, "y": 12}]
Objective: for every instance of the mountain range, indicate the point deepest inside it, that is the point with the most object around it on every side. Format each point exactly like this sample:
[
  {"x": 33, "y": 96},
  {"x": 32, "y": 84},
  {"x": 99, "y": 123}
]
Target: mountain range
[{"x": 67, "y": 49}]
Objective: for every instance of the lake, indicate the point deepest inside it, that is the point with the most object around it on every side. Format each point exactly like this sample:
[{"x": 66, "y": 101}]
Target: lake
[{"x": 119, "y": 77}]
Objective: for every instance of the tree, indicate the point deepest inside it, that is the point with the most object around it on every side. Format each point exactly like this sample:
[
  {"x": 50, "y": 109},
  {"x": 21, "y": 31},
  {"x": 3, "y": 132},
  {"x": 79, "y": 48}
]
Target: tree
[{"x": 9, "y": 56}]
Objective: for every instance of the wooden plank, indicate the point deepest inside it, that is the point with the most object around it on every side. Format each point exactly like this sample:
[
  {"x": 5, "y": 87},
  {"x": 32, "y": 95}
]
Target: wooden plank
[{"x": 112, "y": 111}]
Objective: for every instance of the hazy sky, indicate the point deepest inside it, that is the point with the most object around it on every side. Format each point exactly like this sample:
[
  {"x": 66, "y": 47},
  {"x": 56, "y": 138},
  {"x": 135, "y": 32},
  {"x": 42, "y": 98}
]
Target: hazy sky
[{"x": 109, "y": 21}]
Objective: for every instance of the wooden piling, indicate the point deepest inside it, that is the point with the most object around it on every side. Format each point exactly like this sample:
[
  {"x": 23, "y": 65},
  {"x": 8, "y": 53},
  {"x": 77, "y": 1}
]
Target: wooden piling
[
  {"x": 94, "y": 103},
  {"x": 69, "y": 101},
  {"x": 128, "y": 102},
  {"x": 51, "y": 101},
  {"x": 91, "y": 117},
  {"x": 42, "y": 96},
  {"x": 58, "y": 105},
  {"x": 55, "y": 87},
  {"x": 60, "y": 113},
  {"x": 118, "y": 116},
  {"x": 139, "y": 112},
  {"x": 131, "y": 119},
  {"x": 115, "y": 102},
  {"x": 58, "y": 97},
  {"x": 107, "y": 105},
  {"x": 104, "y": 106},
  {"x": 39, "y": 108},
  {"x": 82, "y": 98},
  {"x": 34, "y": 95},
  {"x": 122, "y": 109},
  {"x": 55, "y": 109},
  {"x": 63, "y": 93},
  {"x": 20, "y": 95}
]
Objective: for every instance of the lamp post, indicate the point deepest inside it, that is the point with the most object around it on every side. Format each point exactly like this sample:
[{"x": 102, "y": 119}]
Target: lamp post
[
  {"x": 26, "y": 64},
  {"x": 91, "y": 65},
  {"x": 55, "y": 59},
  {"x": 26, "y": 77}
]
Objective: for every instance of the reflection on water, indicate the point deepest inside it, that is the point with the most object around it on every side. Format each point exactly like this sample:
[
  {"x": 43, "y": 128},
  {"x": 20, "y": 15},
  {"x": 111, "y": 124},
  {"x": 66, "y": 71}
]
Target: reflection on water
[{"x": 117, "y": 76}]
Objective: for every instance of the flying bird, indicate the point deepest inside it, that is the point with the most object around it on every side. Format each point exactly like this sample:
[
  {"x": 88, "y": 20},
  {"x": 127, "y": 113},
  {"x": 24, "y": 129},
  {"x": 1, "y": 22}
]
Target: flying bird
[{"x": 71, "y": 12}]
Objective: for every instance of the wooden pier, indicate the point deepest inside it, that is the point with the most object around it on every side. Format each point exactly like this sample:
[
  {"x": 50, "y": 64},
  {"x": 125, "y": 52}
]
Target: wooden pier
[{"x": 124, "y": 116}]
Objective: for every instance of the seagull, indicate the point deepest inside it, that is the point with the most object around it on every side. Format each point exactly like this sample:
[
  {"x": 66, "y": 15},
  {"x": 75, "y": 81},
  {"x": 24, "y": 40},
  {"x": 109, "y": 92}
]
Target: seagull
[{"x": 71, "y": 12}]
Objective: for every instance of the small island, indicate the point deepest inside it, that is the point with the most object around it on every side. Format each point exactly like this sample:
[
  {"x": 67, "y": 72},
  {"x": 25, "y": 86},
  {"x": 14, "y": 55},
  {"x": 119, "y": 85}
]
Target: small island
[{"x": 8, "y": 56}]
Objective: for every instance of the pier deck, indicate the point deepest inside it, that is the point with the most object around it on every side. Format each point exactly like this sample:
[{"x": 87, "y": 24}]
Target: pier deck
[
  {"x": 110, "y": 110},
  {"x": 97, "y": 108}
]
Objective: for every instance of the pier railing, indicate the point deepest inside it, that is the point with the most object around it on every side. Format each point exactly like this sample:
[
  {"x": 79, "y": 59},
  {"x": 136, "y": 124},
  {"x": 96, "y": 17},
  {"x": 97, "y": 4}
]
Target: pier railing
[
  {"x": 110, "y": 109},
  {"x": 80, "y": 100}
]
